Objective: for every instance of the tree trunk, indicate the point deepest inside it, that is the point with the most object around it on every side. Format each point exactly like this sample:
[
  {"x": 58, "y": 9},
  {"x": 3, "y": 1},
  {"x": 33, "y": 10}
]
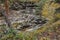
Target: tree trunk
[
  {"x": 7, "y": 7},
  {"x": 7, "y": 13}
]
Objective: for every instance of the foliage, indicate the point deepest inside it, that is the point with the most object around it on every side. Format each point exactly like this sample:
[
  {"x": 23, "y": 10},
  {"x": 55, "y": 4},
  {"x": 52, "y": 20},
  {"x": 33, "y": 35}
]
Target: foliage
[{"x": 49, "y": 31}]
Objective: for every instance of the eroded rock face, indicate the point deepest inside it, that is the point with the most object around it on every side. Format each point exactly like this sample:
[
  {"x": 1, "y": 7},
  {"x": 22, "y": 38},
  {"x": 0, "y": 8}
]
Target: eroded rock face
[
  {"x": 27, "y": 21},
  {"x": 24, "y": 18}
]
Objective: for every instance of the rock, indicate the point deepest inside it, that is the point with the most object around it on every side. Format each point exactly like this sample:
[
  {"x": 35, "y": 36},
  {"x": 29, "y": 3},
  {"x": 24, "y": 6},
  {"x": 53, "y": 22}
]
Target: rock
[{"x": 23, "y": 14}]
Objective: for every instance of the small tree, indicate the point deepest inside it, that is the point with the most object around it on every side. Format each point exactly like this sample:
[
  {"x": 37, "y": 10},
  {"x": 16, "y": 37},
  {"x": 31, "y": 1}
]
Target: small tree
[
  {"x": 7, "y": 7},
  {"x": 7, "y": 13}
]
